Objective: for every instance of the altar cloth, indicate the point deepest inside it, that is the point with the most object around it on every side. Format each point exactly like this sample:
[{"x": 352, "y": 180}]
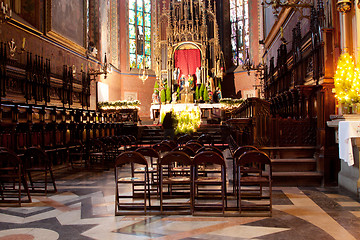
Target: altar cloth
[{"x": 348, "y": 130}]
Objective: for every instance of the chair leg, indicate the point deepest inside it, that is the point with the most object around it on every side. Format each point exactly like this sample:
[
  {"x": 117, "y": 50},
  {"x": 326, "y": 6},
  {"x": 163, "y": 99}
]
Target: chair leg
[
  {"x": 46, "y": 181},
  {"x": 53, "y": 179},
  {"x": 31, "y": 181}
]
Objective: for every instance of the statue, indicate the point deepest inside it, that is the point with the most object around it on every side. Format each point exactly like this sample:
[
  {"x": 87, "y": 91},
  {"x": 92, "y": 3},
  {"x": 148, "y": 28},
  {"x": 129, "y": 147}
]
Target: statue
[
  {"x": 198, "y": 76},
  {"x": 191, "y": 81},
  {"x": 176, "y": 74},
  {"x": 155, "y": 97},
  {"x": 182, "y": 82},
  {"x": 174, "y": 97}
]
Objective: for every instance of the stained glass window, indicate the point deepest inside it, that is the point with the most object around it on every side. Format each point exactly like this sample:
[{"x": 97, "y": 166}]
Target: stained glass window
[
  {"x": 240, "y": 40},
  {"x": 140, "y": 33}
]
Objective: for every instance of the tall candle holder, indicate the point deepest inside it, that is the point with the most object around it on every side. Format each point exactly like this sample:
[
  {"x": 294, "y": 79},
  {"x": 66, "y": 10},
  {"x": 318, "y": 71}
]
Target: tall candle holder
[{"x": 5, "y": 13}]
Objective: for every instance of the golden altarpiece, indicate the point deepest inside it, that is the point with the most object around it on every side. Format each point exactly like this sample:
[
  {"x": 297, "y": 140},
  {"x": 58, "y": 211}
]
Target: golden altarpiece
[{"x": 187, "y": 51}]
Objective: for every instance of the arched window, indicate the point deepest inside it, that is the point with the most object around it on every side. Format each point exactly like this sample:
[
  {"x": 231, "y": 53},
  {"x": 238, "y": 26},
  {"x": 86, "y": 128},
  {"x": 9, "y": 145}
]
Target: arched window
[
  {"x": 140, "y": 33},
  {"x": 240, "y": 41}
]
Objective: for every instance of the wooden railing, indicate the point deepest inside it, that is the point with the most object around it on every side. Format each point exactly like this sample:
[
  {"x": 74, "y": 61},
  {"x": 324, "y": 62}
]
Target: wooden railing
[{"x": 250, "y": 123}]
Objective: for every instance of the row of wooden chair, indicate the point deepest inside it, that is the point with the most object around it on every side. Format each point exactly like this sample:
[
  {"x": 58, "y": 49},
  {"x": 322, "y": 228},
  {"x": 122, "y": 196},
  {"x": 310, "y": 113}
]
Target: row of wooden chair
[
  {"x": 14, "y": 172},
  {"x": 184, "y": 178},
  {"x": 172, "y": 166}
]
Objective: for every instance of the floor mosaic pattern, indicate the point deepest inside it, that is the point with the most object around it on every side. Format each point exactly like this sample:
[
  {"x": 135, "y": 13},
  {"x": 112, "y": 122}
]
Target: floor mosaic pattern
[{"x": 84, "y": 207}]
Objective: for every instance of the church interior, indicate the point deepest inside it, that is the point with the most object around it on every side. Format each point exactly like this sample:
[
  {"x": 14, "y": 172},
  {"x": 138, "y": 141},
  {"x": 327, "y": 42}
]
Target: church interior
[{"x": 179, "y": 119}]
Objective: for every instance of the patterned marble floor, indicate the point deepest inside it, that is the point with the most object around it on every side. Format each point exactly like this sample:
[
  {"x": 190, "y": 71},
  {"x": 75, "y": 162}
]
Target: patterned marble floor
[{"x": 83, "y": 208}]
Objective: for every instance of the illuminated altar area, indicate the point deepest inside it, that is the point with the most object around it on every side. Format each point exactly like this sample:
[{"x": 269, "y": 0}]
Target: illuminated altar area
[{"x": 188, "y": 57}]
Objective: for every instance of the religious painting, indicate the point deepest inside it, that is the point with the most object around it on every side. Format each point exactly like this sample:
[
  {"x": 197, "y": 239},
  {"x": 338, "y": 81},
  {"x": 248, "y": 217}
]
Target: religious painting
[
  {"x": 67, "y": 22},
  {"x": 130, "y": 96}
]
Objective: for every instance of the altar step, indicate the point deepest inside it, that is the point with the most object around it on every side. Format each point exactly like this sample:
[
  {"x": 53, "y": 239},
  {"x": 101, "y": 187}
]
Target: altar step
[
  {"x": 152, "y": 134},
  {"x": 294, "y": 166},
  {"x": 149, "y": 135}
]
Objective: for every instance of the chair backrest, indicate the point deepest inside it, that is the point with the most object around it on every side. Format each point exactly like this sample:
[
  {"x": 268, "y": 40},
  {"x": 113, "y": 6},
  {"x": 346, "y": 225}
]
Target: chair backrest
[
  {"x": 183, "y": 139},
  {"x": 255, "y": 157},
  {"x": 205, "y": 138},
  {"x": 208, "y": 157},
  {"x": 130, "y": 157},
  {"x": 210, "y": 148},
  {"x": 241, "y": 150},
  {"x": 172, "y": 143},
  {"x": 194, "y": 145},
  {"x": 189, "y": 151},
  {"x": 148, "y": 152},
  {"x": 9, "y": 159},
  {"x": 96, "y": 145},
  {"x": 175, "y": 156},
  {"x": 162, "y": 147},
  {"x": 35, "y": 157}
]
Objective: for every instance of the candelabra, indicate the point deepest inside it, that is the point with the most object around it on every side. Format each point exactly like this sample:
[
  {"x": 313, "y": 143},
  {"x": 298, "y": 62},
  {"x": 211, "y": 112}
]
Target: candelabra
[
  {"x": 12, "y": 47},
  {"x": 5, "y": 13},
  {"x": 103, "y": 70}
]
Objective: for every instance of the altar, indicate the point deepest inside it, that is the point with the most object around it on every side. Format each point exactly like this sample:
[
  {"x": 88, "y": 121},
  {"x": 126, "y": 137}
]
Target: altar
[{"x": 207, "y": 110}]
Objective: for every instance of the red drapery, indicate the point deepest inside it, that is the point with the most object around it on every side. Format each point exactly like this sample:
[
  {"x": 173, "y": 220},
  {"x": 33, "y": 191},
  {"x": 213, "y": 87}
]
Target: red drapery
[{"x": 187, "y": 61}]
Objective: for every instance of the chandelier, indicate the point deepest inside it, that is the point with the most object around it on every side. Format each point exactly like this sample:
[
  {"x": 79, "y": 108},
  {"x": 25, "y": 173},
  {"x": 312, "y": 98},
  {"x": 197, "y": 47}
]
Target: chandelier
[{"x": 296, "y": 5}]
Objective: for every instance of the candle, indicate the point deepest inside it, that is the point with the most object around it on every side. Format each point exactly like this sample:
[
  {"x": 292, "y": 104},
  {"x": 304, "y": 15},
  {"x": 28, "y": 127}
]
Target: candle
[
  {"x": 23, "y": 43},
  {"x": 10, "y": 12},
  {"x": 2, "y": 5},
  {"x": 281, "y": 32}
]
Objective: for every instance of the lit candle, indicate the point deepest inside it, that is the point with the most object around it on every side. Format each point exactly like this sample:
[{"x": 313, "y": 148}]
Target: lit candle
[{"x": 23, "y": 43}]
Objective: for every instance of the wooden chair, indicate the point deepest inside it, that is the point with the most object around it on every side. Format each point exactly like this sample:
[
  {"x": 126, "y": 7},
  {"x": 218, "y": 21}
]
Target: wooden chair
[
  {"x": 210, "y": 148},
  {"x": 172, "y": 143},
  {"x": 186, "y": 149},
  {"x": 76, "y": 154},
  {"x": 194, "y": 145},
  {"x": 235, "y": 156},
  {"x": 182, "y": 140},
  {"x": 206, "y": 139},
  {"x": 11, "y": 178},
  {"x": 162, "y": 148},
  {"x": 251, "y": 185},
  {"x": 139, "y": 182},
  {"x": 205, "y": 174},
  {"x": 153, "y": 161},
  {"x": 35, "y": 161},
  {"x": 97, "y": 153},
  {"x": 177, "y": 180}
]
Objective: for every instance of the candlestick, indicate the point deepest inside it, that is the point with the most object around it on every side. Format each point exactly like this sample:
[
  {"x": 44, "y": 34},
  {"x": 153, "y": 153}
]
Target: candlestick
[{"x": 23, "y": 43}]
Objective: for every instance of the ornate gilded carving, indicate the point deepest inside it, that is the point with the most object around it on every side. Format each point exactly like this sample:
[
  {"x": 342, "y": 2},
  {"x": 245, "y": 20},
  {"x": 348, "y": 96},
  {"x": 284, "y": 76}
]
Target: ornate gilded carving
[{"x": 184, "y": 22}]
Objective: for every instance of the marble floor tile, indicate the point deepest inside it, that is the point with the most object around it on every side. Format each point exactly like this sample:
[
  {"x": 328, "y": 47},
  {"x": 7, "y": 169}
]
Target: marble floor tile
[{"x": 84, "y": 208}]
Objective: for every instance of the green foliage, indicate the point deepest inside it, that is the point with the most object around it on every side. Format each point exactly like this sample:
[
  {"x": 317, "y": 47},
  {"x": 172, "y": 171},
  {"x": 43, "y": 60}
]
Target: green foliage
[
  {"x": 118, "y": 104},
  {"x": 201, "y": 93},
  {"x": 168, "y": 94},
  {"x": 197, "y": 93},
  {"x": 206, "y": 95},
  {"x": 156, "y": 86},
  {"x": 162, "y": 96},
  {"x": 219, "y": 85}
]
